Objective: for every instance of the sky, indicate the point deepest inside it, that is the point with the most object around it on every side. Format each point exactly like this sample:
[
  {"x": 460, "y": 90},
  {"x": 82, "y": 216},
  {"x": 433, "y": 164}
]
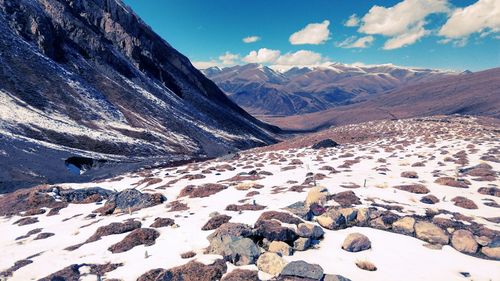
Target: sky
[{"x": 443, "y": 34}]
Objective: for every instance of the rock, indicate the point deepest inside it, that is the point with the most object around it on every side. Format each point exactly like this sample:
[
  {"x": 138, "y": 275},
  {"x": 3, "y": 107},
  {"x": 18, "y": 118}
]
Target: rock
[
  {"x": 326, "y": 143},
  {"x": 332, "y": 277},
  {"x": 429, "y": 199},
  {"x": 162, "y": 222},
  {"x": 356, "y": 242},
  {"x": 244, "y": 207},
  {"x": 363, "y": 216},
  {"x": 192, "y": 271},
  {"x": 463, "y": 202},
  {"x": 413, "y": 188},
  {"x": 366, "y": 265},
  {"x": 280, "y": 216},
  {"x": 308, "y": 230},
  {"x": 482, "y": 240},
  {"x": 75, "y": 271},
  {"x": 350, "y": 215},
  {"x": 271, "y": 263},
  {"x": 491, "y": 252},
  {"x": 231, "y": 229},
  {"x": 84, "y": 195},
  {"x": 404, "y": 225},
  {"x": 188, "y": 255},
  {"x": 141, "y": 236},
  {"x": 237, "y": 250},
  {"x": 299, "y": 209},
  {"x": 332, "y": 220},
  {"x": 130, "y": 200},
  {"x": 463, "y": 241},
  {"x": 201, "y": 191},
  {"x": 273, "y": 231},
  {"x": 242, "y": 275},
  {"x": 302, "y": 244},
  {"x": 384, "y": 221},
  {"x": 316, "y": 209},
  {"x": 346, "y": 198},
  {"x": 44, "y": 235},
  {"x": 409, "y": 174},
  {"x": 114, "y": 228},
  {"x": 281, "y": 248},
  {"x": 303, "y": 269},
  {"x": 316, "y": 195},
  {"x": 493, "y": 191},
  {"x": 431, "y": 233},
  {"x": 26, "y": 221},
  {"x": 449, "y": 181},
  {"x": 215, "y": 222}
]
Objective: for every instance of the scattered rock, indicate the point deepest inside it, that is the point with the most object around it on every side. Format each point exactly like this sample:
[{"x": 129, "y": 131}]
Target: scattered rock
[
  {"x": 303, "y": 269},
  {"x": 237, "y": 250},
  {"x": 114, "y": 228},
  {"x": 192, "y": 271},
  {"x": 326, "y": 143},
  {"x": 493, "y": 191},
  {"x": 350, "y": 215},
  {"x": 231, "y": 229},
  {"x": 346, "y": 198},
  {"x": 463, "y": 241},
  {"x": 413, "y": 188},
  {"x": 162, "y": 222},
  {"x": 308, "y": 230},
  {"x": 429, "y": 199},
  {"x": 201, "y": 191},
  {"x": 141, "y": 236},
  {"x": 271, "y": 263},
  {"x": 302, "y": 244},
  {"x": 491, "y": 252},
  {"x": 44, "y": 235},
  {"x": 280, "y": 216},
  {"x": 332, "y": 219},
  {"x": 332, "y": 277},
  {"x": 404, "y": 225},
  {"x": 281, "y": 248},
  {"x": 410, "y": 175},
  {"x": 463, "y": 202},
  {"x": 273, "y": 231},
  {"x": 188, "y": 255},
  {"x": 26, "y": 221},
  {"x": 299, "y": 209},
  {"x": 76, "y": 271},
  {"x": 242, "y": 275},
  {"x": 356, "y": 242},
  {"x": 130, "y": 200},
  {"x": 431, "y": 233},
  {"x": 17, "y": 265},
  {"x": 317, "y": 195},
  {"x": 449, "y": 181},
  {"x": 366, "y": 265},
  {"x": 244, "y": 207},
  {"x": 215, "y": 222}
]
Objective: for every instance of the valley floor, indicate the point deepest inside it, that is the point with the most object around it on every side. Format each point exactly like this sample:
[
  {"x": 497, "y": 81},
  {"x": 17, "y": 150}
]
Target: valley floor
[{"x": 440, "y": 172}]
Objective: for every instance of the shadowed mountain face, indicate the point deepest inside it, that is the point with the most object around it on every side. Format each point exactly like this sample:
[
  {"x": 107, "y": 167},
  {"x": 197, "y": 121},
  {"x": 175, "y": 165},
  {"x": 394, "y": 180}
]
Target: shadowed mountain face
[
  {"x": 471, "y": 94},
  {"x": 88, "y": 77},
  {"x": 299, "y": 90}
]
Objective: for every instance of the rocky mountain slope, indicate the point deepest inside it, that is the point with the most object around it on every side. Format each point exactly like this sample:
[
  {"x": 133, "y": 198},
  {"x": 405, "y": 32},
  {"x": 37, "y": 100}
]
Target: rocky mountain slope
[
  {"x": 474, "y": 94},
  {"x": 389, "y": 200},
  {"x": 89, "y": 78},
  {"x": 262, "y": 90}
]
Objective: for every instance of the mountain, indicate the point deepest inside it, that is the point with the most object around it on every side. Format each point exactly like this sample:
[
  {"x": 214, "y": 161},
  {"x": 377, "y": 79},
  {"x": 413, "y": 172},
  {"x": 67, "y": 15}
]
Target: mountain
[
  {"x": 475, "y": 93},
  {"x": 88, "y": 78},
  {"x": 262, "y": 90}
]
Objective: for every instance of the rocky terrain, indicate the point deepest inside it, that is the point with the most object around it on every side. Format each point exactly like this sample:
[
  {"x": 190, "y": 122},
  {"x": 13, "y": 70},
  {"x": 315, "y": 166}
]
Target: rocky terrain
[
  {"x": 267, "y": 91},
  {"x": 413, "y": 199},
  {"x": 89, "y": 78}
]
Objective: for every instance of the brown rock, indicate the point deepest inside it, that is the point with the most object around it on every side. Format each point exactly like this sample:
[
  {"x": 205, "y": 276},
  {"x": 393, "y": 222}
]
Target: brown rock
[
  {"x": 429, "y": 199},
  {"x": 192, "y": 271},
  {"x": 346, "y": 198},
  {"x": 215, "y": 222},
  {"x": 201, "y": 191},
  {"x": 114, "y": 228},
  {"x": 356, "y": 242},
  {"x": 493, "y": 191},
  {"x": 431, "y": 233},
  {"x": 280, "y": 216},
  {"x": 463, "y": 202},
  {"x": 413, "y": 188},
  {"x": 141, "y": 236},
  {"x": 449, "y": 181},
  {"x": 162, "y": 222},
  {"x": 410, "y": 175},
  {"x": 366, "y": 265},
  {"x": 404, "y": 225},
  {"x": 244, "y": 207},
  {"x": 463, "y": 241},
  {"x": 242, "y": 275}
]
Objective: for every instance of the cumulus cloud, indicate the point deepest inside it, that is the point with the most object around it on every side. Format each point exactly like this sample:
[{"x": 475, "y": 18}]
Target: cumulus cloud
[
  {"x": 354, "y": 42},
  {"x": 352, "y": 21},
  {"x": 313, "y": 33},
  {"x": 205, "y": 64},
  {"x": 263, "y": 55},
  {"x": 301, "y": 57},
  {"x": 251, "y": 39},
  {"x": 403, "y": 22},
  {"x": 482, "y": 16},
  {"x": 229, "y": 58}
]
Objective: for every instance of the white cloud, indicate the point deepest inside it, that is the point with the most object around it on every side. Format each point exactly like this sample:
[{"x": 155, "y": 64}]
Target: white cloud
[
  {"x": 354, "y": 42},
  {"x": 482, "y": 16},
  {"x": 313, "y": 33},
  {"x": 301, "y": 57},
  {"x": 251, "y": 39},
  {"x": 229, "y": 58},
  {"x": 205, "y": 64},
  {"x": 403, "y": 22},
  {"x": 352, "y": 21},
  {"x": 263, "y": 55}
]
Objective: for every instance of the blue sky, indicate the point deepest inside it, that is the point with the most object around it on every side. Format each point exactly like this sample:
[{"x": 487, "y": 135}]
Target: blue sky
[{"x": 444, "y": 34}]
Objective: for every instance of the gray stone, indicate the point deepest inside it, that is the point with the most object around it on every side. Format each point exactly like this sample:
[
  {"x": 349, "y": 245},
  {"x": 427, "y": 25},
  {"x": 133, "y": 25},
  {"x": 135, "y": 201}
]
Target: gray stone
[{"x": 303, "y": 269}]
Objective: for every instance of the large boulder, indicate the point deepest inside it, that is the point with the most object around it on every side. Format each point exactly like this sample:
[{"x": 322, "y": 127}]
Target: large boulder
[
  {"x": 463, "y": 241},
  {"x": 299, "y": 209},
  {"x": 332, "y": 219},
  {"x": 279, "y": 216},
  {"x": 237, "y": 250},
  {"x": 431, "y": 233},
  {"x": 281, "y": 248},
  {"x": 404, "y": 225},
  {"x": 346, "y": 198},
  {"x": 302, "y": 244},
  {"x": 130, "y": 200},
  {"x": 84, "y": 195},
  {"x": 302, "y": 269},
  {"x": 356, "y": 242},
  {"x": 191, "y": 271},
  {"x": 215, "y": 222},
  {"x": 271, "y": 263},
  {"x": 231, "y": 229},
  {"x": 493, "y": 249}
]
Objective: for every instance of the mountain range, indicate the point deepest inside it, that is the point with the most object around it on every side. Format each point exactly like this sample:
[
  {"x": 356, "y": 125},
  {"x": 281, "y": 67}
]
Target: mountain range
[
  {"x": 263, "y": 90},
  {"x": 89, "y": 79}
]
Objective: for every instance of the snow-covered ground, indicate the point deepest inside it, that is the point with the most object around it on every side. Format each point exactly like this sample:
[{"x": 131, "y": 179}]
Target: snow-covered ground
[{"x": 396, "y": 256}]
